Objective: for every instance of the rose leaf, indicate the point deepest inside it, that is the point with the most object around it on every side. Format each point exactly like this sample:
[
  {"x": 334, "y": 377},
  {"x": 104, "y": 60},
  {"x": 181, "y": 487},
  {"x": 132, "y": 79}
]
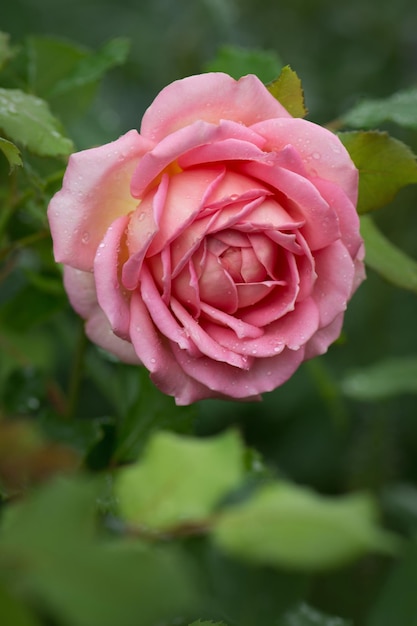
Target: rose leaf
[
  {"x": 305, "y": 615},
  {"x": 27, "y": 120},
  {"x": 179, "y": 479},
  {"x": 385, "y": 166},
  {"x": 384, "y": 379},
  {"x": 283, "y": 525},
  {"x": 288, "y": 91},
  {"x": 11, "y": 152},
  {"x": 386, "y": 259},
  {"x": 399, "y": 108}
]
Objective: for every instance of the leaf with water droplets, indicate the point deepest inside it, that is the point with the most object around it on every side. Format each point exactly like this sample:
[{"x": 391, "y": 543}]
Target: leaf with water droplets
[{"x": 27, "y": 120}]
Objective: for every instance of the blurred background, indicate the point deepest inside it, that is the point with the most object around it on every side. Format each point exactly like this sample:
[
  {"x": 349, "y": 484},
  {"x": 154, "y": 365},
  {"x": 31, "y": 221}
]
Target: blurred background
[{"x": 310, "y": 429}]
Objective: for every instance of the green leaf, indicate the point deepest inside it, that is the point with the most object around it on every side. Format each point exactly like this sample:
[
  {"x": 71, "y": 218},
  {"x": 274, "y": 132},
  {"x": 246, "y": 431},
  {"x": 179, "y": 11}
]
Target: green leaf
[
  {"x": 384, "y": 379},
  {"x": 400, "y": 108},
  {"x": 397, "y": 601},
  {"x": 238, "y": 62},
  {"x": 14, "y": 612},
  {"x": 386, "y": 259},
  {"x": 288, "y": 91},
  {"x": 27, "y": 120},
  {"x": 179, "y": 480},
  {"x": 305, "y": 615},
  {"x": 11, "y": 152},
  {"x": 385, "y": 166},
  {"x": 50, "y": 551},
  {"x": 93, "y": 67},
  {"x": 287, "y": 526}
]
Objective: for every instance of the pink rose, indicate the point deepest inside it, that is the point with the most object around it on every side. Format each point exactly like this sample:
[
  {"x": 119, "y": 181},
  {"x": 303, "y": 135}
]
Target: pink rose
[{"x": 219, "y": 247}]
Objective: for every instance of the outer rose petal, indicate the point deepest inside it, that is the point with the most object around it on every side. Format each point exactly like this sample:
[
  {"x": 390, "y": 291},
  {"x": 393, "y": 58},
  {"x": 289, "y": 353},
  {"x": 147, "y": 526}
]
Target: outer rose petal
[
  {"x": 95, "y": 191},
  {"x": 323, "y": 153},
  {"x": 210, "y": 97},
  {"x": 81, "y": 291}
]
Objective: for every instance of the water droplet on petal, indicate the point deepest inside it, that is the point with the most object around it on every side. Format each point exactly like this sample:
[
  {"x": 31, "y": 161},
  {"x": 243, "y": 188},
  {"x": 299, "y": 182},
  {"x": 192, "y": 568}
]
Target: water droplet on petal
[{"x": 86, "y": 237}]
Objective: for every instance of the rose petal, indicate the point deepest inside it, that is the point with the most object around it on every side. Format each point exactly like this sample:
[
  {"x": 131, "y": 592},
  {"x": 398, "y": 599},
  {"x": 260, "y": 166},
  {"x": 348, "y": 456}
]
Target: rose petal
[
  {"x": 99, "y": 331},
  {"x": 217, "y": 287},
  {"x": 81, "y": 289},
  {"x": 292, "y": 331},
  {"x": 158, "y": 358},
  {"x": 212, "y": 97},
  {"x": 264, "y": 374},
  {"x": 95, "y": 191},
  {"x": 335, "y": 274},
  {"x": 321, "y": 226},
  {"x": 111, "y": 296},
  {"x": 321, "y": 150}
]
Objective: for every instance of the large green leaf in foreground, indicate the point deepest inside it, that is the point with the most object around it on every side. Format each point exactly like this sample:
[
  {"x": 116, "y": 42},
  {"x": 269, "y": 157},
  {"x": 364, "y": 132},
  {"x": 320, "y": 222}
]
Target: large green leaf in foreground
[
  {"x": 179, "y": 480},
  {"x": 287, "y": 526}
]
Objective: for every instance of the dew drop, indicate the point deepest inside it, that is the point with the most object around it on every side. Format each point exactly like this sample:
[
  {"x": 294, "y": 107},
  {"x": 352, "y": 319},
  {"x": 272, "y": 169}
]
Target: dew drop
[
  {"x": 316, "y": 155},
  {"x": 234, "y": 196},
  {"x": 86, "y": 237},
  {"x": 141, "y": 217},
  {"x": 153, "y": 360}
]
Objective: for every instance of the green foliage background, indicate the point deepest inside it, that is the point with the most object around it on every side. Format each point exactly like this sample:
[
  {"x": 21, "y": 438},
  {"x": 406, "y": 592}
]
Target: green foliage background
[{"x": 345, "y": 422}]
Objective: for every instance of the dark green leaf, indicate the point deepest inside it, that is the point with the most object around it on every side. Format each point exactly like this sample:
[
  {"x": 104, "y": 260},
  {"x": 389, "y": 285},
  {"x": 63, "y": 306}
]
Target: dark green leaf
[
  {"x": 238, "y": 62},
  {"x": 28, "y": 121},
  {"x": 397, "y": 602},
  {"x": 386, "y": 259},
  {"x": 49, "y": 545},
  {"x": 206, "y": 623},
  {"x": 93, "y": 67},
  {"x": 288, "y": 526},
  {"x": 384, "y": 379},
  {"x": 399, "y": 108},
  {"x": 13, "y": 612},
  {"x": 288, "y": 91},
  {"x": 179, "y": 479},
  {"x": 385, "y": 166},
  {"x": 305, "y": 615},
  {"x": 11, "y": 152}
]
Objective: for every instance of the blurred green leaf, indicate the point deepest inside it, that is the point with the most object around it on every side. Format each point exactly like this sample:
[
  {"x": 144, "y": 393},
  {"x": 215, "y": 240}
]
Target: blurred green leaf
[
  {"x": 385, "y": 166},
  {"x": 384, "y": 379},
  {"x": 13, "y": 612},
  {"x": 288, "y": 526},
  {"x": 179, "y": 480},
  {"x": 92, "y": 68},
  {"x": 28, "y": 121},
  {"x": 386, "y": 259},
  {"x": 11, "y": 152},
  {"x": 305, "y": 615},
  {"x": 399, "y": 108},
  {"x": 397, "y": 601},
  {"x": 288, "y": 91},
  {"x": 50, "y": 551},
  {"x": 238, "y": 62}
]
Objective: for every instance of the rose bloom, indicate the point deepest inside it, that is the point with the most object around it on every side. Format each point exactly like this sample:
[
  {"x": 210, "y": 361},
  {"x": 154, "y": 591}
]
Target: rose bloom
[{"x": 219, "y": 247}]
